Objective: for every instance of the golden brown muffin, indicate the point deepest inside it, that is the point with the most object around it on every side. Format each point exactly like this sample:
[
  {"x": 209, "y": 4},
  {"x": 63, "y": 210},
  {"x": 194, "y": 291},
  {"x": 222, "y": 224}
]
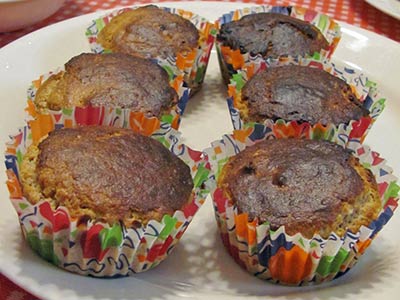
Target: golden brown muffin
[
  {"x": 108, "y": 79},
  {"x": 105, "y": 173},
  {"x": 149, "y": 32},
  {"x": 297, "y": 93},
  {"x": 307, "y": 186},
  {"x": 272, "y": 35}
]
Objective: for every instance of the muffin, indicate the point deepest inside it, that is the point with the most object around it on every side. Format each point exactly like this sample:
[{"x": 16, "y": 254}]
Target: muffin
[
  {"x": 173, "y": 38},
  {"x": 103, "y": 182},
  {"x": 103, "y": 201},
  {"x": 309, "y": 187},
  {"x": 298, "y": 211},
  {"x": 299, "y": 93},
  {"x": 116, "y": 80},
  {"x": 271, "y": 32},
  {"x": 272, "y": 35},
  {"x": 149, "y": 32},
  {"x": 323, "y": 99}
]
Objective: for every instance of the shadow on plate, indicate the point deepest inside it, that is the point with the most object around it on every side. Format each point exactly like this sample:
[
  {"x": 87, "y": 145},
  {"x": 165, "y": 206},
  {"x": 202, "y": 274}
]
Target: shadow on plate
[
  {"x": 205, "y": 268},
  {"x": 198, "y": 268}
]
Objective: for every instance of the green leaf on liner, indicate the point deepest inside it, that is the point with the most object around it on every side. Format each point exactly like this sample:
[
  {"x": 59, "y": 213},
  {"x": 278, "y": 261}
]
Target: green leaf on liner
[
  {"x": 169, "y": 226},
  {"x": 200, "y": 74},
  {"x": 201, "y": 175},
  {"x": 100, "y": 24},
  {"x": 170, "y": 72},
  {"x": 167, "y": 118},
  {"x": 238, "y": 79},
  {"x": 74, "y": 233},
  {"x": 111, "y": 237},
  {"x": 323, "y": 268},
  {"x": 20, "y": 156},
  {"x": 323, "y": 22},
  {"x": 214, "y": 31},
  {"x": 392, "y": 191},
  {"x": 67, "y": 111},
  {"x": 23, "y": 205},
  {"x": 43, "y": 247},
  {"x": 338, "y": 261},
  {"x": 370, "y": 84}
]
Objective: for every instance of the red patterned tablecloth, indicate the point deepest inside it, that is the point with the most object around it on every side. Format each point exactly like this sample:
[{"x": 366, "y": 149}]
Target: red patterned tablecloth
[{"x": 355, "y": 12}]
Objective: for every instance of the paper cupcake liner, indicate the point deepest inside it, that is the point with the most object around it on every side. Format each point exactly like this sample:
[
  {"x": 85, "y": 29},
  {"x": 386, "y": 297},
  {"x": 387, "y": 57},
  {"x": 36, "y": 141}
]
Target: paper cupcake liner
[
  {"x": 110, "y": 115},
  {"x": 83, "y": 246},
  {"x": 293, "y": 259},
  {"x": 191, "y": 66},
  {"x": 232, "y": 60},
  {"x": 353, "y": 132}
]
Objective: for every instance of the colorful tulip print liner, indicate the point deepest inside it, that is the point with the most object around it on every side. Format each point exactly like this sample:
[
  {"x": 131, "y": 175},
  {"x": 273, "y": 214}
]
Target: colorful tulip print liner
[
  {"x": 232, "y": 60},
  {"x": 191, "y": 66},
  {"x": 108, "y": 115},
  {"x": 353, "y": 132},
  {"x": 286, "y": 259},
  {"x": 83, "y": 246}
]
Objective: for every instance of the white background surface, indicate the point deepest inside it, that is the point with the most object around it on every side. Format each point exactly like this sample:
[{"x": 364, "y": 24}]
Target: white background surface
[{"x": 199, "y": 267}]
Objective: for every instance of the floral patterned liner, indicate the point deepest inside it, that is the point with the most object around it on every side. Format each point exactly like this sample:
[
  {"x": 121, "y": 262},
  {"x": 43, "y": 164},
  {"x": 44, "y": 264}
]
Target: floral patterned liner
[
  {"x": 232, "y": 60},
  {"x": 111, "y": 115},
  {"x": 294, "y": 260},
  {"x": 192, "y": 66},
  {"x": 354, "y": 132},
  {"x": 97, "y": 249}
]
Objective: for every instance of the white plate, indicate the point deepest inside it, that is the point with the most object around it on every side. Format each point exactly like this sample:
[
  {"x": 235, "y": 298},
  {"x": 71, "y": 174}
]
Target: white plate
[
  {"x": 199, "y": 267},
  {"x": 390, "y": 7}
]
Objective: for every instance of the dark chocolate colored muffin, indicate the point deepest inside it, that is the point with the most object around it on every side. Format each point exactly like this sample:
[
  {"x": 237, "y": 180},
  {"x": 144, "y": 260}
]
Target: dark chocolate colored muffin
[
  {"x": 307, "y": 186},
  {"x": 108, "y": 79},
  {"x": 149, "y": 32},
  {"x": 297, "y": 93},
  {"x": 272, "y": 35},
  {"x": 108, "y": 174}
]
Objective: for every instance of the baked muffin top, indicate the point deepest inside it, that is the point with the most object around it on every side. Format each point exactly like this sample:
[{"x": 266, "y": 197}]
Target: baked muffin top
[
  {"x": 308, "y": 186},
  {"x": 297, "y": 93},
  {"x": 272, "y": 35},
  {"x": 109, "y": 174},
  {"x": 149, "y": 32},
  {"x": 108, "y": 79}
]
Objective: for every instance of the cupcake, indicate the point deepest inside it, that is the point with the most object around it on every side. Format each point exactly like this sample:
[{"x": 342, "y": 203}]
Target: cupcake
[
  {"x": 298, "y": 211},
  {"x": 177, "y": 40},
  {"x": 263, "y": 33},
  {"x": 104, "y": 201},
  {"x": 118, "y": 81},
  {"x": 333, "y": 101},
  {"x": 309, "y": 187},
  {"x": 298, "y": 93},
  {"x": 112, "y": 80},
  {"x": 149, "y": 32}
]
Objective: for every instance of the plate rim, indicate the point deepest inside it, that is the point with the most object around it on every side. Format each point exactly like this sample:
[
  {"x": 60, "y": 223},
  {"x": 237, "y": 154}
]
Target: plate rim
[
  {"x": 20, "y": 42},
  {"x": 384, "y": 9}
]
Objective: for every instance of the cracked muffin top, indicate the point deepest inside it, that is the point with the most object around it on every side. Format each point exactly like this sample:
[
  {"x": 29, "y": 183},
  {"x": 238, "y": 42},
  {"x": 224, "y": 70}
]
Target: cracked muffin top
[
  {"x": 149, "y": 32},
  {"x": 108, "y": 79},
  {"x": 307, "y": 186},
  {"x": 298, "y": 93},
  {"x": 107, "y": 174},
  {"x": 272, "y": 35}
]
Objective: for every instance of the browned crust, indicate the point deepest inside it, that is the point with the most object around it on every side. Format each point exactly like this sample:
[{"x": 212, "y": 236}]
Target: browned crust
[
  {"x": 298, "y": 93},
  {"x": 107, "y": 174},
  {"x": 149, "y": 31},
  {"x": 307, "y": 186},
  {"x": 272, "y": 35},
  {"x": 108, "y": 79}
]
